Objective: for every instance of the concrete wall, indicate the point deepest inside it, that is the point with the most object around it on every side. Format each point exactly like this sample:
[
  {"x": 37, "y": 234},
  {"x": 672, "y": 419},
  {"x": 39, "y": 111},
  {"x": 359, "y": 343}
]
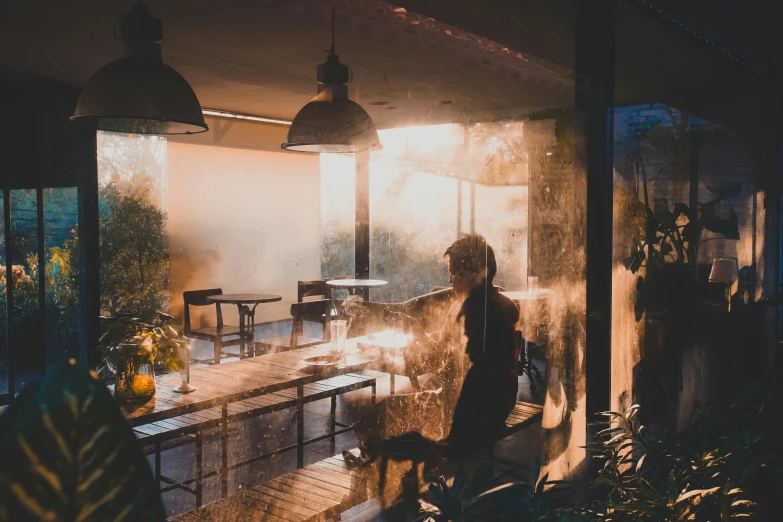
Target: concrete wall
[{"x": 241, "y": 217}]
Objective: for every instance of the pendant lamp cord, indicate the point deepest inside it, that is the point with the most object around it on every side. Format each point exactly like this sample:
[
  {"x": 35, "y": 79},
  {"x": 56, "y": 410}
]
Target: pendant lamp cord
[{"x": 331, "y": 49}]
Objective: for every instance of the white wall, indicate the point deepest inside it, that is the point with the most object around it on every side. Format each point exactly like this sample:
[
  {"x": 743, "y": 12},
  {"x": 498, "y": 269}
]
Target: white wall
[{"x": 242, "y": 220}]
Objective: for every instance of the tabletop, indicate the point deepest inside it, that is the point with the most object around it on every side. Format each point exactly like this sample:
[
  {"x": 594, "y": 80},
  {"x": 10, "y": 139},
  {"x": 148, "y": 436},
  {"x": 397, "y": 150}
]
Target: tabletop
[
  {"x": 244, "y": 298},
  {"x": 356, "y": 283},
  {"x": 239, "y": 380}
]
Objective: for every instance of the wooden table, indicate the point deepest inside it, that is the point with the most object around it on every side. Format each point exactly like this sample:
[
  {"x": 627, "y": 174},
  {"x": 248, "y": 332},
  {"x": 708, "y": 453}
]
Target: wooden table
[
  {"x": 222, "y": 384},
  {"x": 247, "y": 315}
]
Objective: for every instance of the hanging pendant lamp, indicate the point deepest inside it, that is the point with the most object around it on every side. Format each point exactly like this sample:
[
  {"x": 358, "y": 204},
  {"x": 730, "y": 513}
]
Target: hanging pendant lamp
[
  {"x": 139, "y": 93},
  {"x": 331, "y": 122}
]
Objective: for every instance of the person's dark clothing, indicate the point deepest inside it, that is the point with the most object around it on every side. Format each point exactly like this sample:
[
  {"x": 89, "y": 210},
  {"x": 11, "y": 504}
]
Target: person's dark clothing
[{"x": 489, "y": 391}]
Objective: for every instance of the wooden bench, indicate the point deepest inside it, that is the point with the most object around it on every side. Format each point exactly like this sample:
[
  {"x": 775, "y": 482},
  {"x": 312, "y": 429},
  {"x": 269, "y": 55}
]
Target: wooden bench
[
  {"x": 322, "y": 490},
  {"x": 189, "y": 427}
]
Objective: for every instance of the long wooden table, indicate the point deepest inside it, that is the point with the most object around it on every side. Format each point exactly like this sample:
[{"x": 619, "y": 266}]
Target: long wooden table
[{"x": 222, "y": 384}]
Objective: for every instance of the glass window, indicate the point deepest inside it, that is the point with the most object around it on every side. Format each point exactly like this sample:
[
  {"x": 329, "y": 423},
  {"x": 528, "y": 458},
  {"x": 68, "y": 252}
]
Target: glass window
[
  {"x": 25, "y": 310},
  {"x": 133, "y": 229},
  {"x": 61, "y": 251}
]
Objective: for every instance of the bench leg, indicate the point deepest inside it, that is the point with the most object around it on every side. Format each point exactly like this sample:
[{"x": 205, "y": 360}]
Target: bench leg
[
  {"x": 199, "y": 469},
  {"x": 332, "y": 421},
  {"x": 157, "y": 464},
  {"x": 391, "y": 384},
  {"x": 224, "y": 452},
  {"x": 374, "y": 393},
  {"x": 218, "y": 346},
  {"x": 300, "y": 426}
]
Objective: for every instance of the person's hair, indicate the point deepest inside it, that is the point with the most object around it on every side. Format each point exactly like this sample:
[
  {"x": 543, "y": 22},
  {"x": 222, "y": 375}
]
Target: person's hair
[{"x": 471, "y": 253}]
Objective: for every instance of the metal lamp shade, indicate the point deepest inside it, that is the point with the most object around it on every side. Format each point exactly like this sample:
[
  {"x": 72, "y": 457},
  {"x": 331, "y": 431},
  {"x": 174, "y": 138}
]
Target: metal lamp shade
[
  {"x": 140, "y": 96},
  {"x": 337, "y": 126}
]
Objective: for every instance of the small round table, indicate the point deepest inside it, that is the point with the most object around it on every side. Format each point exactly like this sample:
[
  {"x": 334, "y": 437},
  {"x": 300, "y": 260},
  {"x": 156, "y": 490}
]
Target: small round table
[
  {"x": 353, "y": 284},
  {"x": 247, "y": 315}
]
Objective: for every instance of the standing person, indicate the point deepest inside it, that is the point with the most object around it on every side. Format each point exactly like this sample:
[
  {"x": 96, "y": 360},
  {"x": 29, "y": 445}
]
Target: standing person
[{"x": 478, "y": 337}]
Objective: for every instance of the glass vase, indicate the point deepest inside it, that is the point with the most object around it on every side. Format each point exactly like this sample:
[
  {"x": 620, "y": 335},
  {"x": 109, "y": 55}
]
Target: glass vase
[{"x": 135, "y": 379}]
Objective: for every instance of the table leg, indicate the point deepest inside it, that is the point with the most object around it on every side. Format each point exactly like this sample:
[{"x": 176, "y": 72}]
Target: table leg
[
  {"x": 241, "y": 309},
  {"x": 391, "y": 384},
  {"x": 224, "y": 452},
  {"x": 300, "y": 426},
  {"x": 157, "y": 465},
  {"x": 199, "y": 469},
  {"x": 251, "y": 316},
  {"x": 332, "y": 423}
]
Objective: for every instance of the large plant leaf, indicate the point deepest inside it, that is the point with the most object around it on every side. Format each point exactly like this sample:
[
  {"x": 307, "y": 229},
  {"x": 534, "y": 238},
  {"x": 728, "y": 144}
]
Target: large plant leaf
[
  {"x": 728, "y": 227},
  {"x": 478, "y": 482},
  {"x": 69, "y": 455}
]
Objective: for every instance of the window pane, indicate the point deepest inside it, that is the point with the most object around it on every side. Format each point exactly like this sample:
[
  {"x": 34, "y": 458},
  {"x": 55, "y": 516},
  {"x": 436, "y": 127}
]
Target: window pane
[
  {"x": 4, "y": 359},
  {"x": 61, "y": 249},
  {"x": 27, "y": 339},
  {"x": 133, "y": 230}
]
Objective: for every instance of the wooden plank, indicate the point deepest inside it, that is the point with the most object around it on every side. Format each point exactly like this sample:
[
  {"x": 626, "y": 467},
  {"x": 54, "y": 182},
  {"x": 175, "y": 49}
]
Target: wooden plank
[
  {"x": 332, "y": 476},
  {"x": 261, "y": 511},
  {"x": 296, "y": 495},
  {"x": 225, "y": 384},
  {"x": 321, "y": 504},
  {"x": 297, "y": 507},
  {"x": 334, "y": 468},
  {"x": 328, "y": 477},
  {"x": 241, "y": 372},
  {"x": 221, "y": 511},
  {"x": 324, "y": 490}
]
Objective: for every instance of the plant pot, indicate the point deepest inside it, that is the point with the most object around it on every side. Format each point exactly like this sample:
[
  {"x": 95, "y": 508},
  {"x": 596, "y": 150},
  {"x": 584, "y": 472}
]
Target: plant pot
[{"x": 135, "y": 380}]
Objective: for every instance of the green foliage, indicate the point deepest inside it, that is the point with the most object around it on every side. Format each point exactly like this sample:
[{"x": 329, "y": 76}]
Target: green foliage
[
  {"x": 644, "y": 479},
  {"x": 129, "y": 339},
  {"x": 61, "y": 293},
  {"x": 672, "y": 236},
  {"x": 411, "y": 271},
  {"x": 134, "y": 248},
  {"x": 476, "y": 499},
  {"x": 69, "y": 455}
]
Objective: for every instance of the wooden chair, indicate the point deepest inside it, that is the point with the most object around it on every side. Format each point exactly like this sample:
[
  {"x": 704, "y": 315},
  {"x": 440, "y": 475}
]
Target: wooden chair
[
  {"x": 317, "y": 288},
  {"x": 311, "y": 311},
  {"x": 216, "y": 334}
]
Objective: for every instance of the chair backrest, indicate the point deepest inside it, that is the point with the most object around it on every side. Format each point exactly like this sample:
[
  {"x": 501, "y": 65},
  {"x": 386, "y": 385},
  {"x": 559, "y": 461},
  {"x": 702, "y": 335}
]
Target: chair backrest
[
  {"x": 199, "y": 298},
  {"x": 317, "y": 288},
  {"x": 312, "y": 311}
]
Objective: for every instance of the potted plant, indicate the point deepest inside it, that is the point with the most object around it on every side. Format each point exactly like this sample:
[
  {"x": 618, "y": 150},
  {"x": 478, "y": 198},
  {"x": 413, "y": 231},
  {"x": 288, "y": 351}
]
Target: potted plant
[{"x": 131, "y": 348}]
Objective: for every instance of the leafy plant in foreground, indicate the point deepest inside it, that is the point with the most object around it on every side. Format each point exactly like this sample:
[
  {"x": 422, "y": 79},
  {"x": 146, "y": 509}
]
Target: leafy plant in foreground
[
  {"x": 641, "y": 479},
  {"x": 68, "y": 455},
  {"x": 476, "y": 500}
]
